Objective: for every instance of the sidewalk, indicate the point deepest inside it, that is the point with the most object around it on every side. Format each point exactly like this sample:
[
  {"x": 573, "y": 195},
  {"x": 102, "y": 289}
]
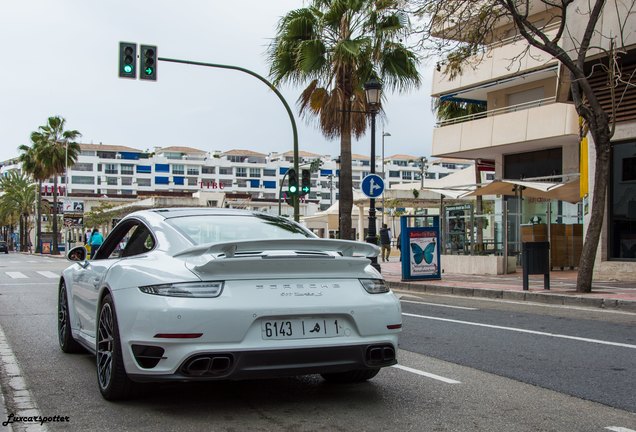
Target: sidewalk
[{"x": 618, "y": 295}]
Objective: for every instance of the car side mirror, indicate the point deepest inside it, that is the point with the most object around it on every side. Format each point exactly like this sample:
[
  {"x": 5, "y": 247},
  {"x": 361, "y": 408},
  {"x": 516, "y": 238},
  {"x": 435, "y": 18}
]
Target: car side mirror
[{"x": 77, "y": 254}]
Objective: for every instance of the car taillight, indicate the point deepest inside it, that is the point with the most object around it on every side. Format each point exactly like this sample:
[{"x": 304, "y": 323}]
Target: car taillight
[
  {"x": 185, "y": 289},
  {"x": 374, "y": 286}
]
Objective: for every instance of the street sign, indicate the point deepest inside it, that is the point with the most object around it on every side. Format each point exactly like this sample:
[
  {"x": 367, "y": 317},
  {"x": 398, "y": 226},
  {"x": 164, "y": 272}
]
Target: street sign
[{"x": 372, "y": 186}]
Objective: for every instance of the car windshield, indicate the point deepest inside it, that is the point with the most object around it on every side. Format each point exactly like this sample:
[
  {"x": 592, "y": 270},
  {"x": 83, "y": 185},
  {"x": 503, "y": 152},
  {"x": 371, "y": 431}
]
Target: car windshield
[{"x": 201, "y": 229}]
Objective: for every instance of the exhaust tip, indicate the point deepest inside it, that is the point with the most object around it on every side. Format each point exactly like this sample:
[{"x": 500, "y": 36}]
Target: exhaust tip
[
  {"x": 207, "y": 365},
  {"x": 379, "y": 355}
]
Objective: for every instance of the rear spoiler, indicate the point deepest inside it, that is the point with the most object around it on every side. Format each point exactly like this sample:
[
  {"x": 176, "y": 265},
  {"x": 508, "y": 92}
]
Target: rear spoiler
[{"x": 347, "y": 248}]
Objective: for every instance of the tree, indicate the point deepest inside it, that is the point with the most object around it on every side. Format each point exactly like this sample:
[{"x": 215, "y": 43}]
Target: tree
[
  {"x": 18, "y": 201},
  {"x": 335, "y": 46},
  {"x": 465, "y": 27},
  {"x": 36, "y": 169},
  {"x": 56, "y": 150}
]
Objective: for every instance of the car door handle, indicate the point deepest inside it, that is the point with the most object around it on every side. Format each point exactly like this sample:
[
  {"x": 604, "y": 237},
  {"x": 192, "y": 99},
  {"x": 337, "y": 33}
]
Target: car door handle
[{"x": 95, "y": 282}]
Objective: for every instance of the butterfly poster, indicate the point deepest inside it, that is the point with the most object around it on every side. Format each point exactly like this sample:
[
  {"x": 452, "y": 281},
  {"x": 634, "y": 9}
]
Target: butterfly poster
[{"x": 424, "y": 254}]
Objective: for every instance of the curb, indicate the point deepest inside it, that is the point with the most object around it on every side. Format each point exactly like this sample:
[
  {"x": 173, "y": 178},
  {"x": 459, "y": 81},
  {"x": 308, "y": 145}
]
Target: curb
[{"x": 535, "y": 297}]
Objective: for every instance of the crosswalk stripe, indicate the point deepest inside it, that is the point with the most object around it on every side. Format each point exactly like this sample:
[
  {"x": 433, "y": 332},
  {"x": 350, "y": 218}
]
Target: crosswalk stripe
[
  {"x": 48, "y": 274},
  {"x": 16, "y": 275}
]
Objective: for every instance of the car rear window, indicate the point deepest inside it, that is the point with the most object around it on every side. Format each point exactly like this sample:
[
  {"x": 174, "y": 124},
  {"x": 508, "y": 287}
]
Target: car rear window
[{"x": 202, "y": 229}]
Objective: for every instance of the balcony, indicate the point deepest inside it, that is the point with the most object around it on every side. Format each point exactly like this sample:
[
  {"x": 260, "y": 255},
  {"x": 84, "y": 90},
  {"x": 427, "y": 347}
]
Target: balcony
[
  {"x": 478, "y": 135},
  {"x": 503, "y": 59}
]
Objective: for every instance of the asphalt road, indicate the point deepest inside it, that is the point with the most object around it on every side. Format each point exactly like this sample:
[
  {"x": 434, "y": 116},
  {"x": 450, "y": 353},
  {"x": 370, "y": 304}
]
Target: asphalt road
[
  {"x": 425, "y": 393},
  {"x": 569, "y": 352}
]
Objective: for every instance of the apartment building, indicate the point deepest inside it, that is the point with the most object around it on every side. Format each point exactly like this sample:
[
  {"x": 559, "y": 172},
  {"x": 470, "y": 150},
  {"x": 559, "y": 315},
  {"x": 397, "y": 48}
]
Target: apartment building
[
  {"x": 120, "y": 172},
  {"x": 530, "y": 130}
]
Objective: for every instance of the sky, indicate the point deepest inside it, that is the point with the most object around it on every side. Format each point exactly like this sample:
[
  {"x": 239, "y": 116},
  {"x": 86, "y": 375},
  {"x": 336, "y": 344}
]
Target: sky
[{"x": 60, "y": 57}]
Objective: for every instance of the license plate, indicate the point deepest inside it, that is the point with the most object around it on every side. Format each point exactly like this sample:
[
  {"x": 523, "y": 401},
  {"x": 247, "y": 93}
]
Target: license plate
[{"x": 306, "y": 328}]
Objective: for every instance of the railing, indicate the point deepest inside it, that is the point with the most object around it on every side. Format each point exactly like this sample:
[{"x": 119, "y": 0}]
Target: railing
[{"x": 495, "y": 112}]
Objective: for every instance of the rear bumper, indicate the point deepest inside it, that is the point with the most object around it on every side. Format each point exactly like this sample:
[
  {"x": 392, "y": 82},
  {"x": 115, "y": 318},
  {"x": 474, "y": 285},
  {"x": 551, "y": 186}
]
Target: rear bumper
[{"x": 240, "y": 365}]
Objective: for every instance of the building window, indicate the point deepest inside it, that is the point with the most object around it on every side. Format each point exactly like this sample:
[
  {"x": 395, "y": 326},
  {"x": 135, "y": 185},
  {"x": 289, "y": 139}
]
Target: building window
[
  {"x": 126, "y": 181},
  {"x": 255, "y": 172},
  {"x": 407, "y": 175},
  {"x": 82, "y": 167},
  {"x": 178, "y": 169},
  {"x": 193, "y": 170},
  {"x": 208, "y": 170},
  {"x": 192, "y": 181},
  {"x": 161, "y": 180},
  {"x": 127, "y": 169},
  {"x": 394, "y": 174},
  {"x": 223, "y": 184},
  {"x": 144, "y": 169},
  {"x": 622, "y": 223},
  {"x": 110, "y": 169},
  {"x": 163, "y": 168},
  {"x": 241, "y": 172},
  {"x": 269, "y": 172},
  {"x": 111, "y": 181},
  {"x": 143, "y": 182},
  {"x": 82, "y": 179},
  {"x": 225, "y": 171}
]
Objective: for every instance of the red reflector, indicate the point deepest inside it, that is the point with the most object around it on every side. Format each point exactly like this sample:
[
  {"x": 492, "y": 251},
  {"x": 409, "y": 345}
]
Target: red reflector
[
  {"x": 179, "y": 335},
  {"x": 394, "y": 326}
]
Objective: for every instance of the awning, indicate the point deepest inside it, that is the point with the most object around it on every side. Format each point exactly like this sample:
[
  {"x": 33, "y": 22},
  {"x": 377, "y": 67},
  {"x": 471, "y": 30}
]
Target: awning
[{"x": 568, "y": 191}]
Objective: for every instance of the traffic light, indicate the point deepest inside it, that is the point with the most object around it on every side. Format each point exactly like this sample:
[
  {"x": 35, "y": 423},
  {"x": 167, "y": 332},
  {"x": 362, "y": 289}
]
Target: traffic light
[
  {"x": 305, "y": 184},
  {"x": 148, "y": 63},
  {"x": 127, "y": 60},
  {"x": 292, "y": 182}
]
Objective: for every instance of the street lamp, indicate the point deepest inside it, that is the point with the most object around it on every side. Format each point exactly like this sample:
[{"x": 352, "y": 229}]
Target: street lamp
[
  {"x": 384, "y": 134},
  {"x": 423, "y": 162},
  {"x": 373, "y": 90}
]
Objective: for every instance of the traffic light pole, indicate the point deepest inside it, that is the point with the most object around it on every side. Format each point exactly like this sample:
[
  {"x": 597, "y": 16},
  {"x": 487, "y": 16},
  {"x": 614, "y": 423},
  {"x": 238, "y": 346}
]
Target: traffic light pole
[{"x": 275, "y": 90}]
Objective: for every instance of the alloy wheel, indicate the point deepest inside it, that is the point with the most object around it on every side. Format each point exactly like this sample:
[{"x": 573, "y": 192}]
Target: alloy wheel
[{"x": 105, "y": 346}]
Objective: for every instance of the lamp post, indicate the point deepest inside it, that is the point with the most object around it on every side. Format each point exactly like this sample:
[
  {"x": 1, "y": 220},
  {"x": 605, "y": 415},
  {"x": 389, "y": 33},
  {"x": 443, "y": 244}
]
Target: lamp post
[
  {"x": 66, "y": 230},
  {"x": 373, "y": 90},
  {"x": 423, "y": 162},
  {"x": 384, "y": 134}
]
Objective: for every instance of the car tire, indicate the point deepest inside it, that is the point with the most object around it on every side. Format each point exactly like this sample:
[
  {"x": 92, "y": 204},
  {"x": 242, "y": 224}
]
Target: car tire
[
  {"x": 353, "y": 376},
  {"x": 65, "y": 337},
  {"x": 112, "y": 378}
]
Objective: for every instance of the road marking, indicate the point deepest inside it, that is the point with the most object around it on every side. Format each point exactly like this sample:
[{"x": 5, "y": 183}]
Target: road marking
[
  {"x": 619, "y": 429},
  {"x": 440, "y": 305},
  {"x": 426, "y": 374},
  {"x": 16, "y": 275},
  {"x": 49, "y": 274},
  {"x": 16, "y": 391},
  {"x": 532, "y": 304},
  {"x": 618, "y": 344}
]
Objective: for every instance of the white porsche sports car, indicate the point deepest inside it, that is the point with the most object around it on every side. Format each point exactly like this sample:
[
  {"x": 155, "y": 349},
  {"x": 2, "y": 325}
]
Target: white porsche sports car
[{"x": 207, "y": 294}]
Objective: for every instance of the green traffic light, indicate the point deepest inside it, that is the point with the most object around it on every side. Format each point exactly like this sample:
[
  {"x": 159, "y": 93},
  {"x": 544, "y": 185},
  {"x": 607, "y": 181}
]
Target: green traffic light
[
  {"x": 148, "y": 71},
  {"x": 305, "y": 189},
  {"x": 293, "y": 189},
  {"x": 128, "y": 68}
]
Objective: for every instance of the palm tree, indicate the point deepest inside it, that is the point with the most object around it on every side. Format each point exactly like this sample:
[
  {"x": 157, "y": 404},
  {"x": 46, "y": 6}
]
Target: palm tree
[
  {"x": 34, "y": 167},
  {"x": 18, "y": 199},
  {"x": 335, "y": 46},
  {"x": 56, "y": 150}
]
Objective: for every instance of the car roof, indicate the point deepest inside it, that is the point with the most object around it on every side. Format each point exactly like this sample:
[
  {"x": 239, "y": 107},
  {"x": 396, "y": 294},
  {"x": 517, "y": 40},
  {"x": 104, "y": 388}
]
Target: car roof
[{"x": 201, "y": 211}]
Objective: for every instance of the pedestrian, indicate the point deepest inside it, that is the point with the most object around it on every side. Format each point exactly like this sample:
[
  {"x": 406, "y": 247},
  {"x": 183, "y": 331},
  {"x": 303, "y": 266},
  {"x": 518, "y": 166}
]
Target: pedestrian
[
  {"x": 399, "y": 245},
  {"x": 385, "y": 242},
  {"x": 87, "y": 237},
  {"x": 96, "y": 241}
]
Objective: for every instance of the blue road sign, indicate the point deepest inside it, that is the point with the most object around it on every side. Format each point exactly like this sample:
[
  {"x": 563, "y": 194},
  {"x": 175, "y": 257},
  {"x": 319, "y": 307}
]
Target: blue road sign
[{"x": 372, "y": 186}]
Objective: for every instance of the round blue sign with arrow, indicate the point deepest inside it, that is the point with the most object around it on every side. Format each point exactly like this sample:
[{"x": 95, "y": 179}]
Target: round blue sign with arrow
[{"x": 372, "y": 186}]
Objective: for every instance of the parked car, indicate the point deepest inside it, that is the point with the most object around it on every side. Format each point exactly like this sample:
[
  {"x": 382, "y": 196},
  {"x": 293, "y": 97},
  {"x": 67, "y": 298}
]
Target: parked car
[
  {"x": 217, "y": 294},
  {"x": 4, "y": 247}
]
